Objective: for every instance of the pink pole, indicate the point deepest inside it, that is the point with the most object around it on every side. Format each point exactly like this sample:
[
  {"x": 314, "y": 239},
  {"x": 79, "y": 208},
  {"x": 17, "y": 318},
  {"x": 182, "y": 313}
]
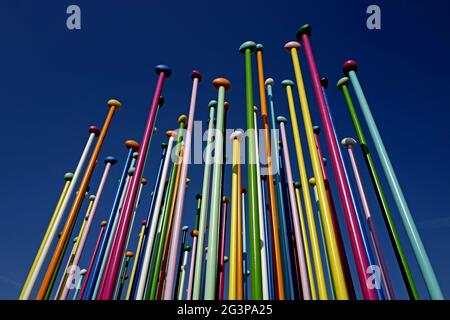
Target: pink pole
[
  {"x": 348, "y": 206},
  {"x": 294, "y": 211},
  {"x": 128, "y": 207},
  {"x": 172, "y": 262}
]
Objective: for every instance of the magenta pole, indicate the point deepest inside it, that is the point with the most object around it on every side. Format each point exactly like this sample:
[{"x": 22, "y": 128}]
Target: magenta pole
[
  {"x": 223, "y": 229},
  {"x": 348, "y": 206},
  {"x": 174, "y": 244},
  {"x": 128, "y": 207}
]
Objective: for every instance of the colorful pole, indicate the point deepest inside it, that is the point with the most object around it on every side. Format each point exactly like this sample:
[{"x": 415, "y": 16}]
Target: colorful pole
[
  {"x": 94, "y": 272},
  {"x": 186, "y": 250},
  {"x": 223, "y": 229},
  {"x": 295, "y": 215},
  {"x": 348, "y": 143},
  {"x": 268, "y": 246},
  {"x": 197, "y": 281},
  {"x": 128, "y": 256},
  {"x": 171, "y": 269},
  {"x": 180, "y": 261},
  {"x": 68, "y": 227},
  {"x": 261, "y": 215},
  {"x": 138, "y": 254},
  {"x": 53, "y": 227},
  {"x": 78, "y": 286},
  {"x": 122, "y": 230},
  {"x": 331, "y": 238},
  {"x": 396, "y": 244},
  {"x": 145, "y": 271},
  {"x": 277, "y": 228},
  {"x": 244, "y": 244},
  {"x": 194, "y": 235}
]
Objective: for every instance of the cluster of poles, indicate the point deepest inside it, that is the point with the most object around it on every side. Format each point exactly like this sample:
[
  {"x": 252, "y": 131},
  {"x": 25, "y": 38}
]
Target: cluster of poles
[{"x": 284, "y": 237}]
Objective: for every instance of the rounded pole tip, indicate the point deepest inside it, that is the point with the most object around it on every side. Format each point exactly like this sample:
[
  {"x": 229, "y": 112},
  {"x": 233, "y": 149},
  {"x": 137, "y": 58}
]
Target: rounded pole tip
[
  {"x": 287, "y": 83},
  {"x": 161, "y": 101},
  {"x": 259, "y": 47},
  {"x": 196, "y": 75},
  {"x": 225, "y": 199},
  {"x": 83, "y": 272},
  {"x": 111, "y": 160},
  {"x": 185, "y": 228},
  {"x": 348, "y": 142},
  {"x": 281, "y": 119},
  {"x": 163, "y": 68},
  {"x": 187, "y": 248},
  {"x": 144, "y": 181},
  {"x": 92, "y": 197},
  {"x": 68, "y": 176},
  {"x": 297, "y": 185},
  {"x": 198, "y": 196},
  {"x": 194, "y": 233},
  {"x": 131, "y": 171},
  {"x": 291, "y": 45},
  {"x": 222, "y": 82},
  {"x": 237, "y": 135},
  {"x": 247, "y": 45},
  {"x": 312, "y": 181},
  {"x": 316, "y": 129},
  {"x": 75, "y": 239},
  {"x": 164, "y": 145},
  {"x": 303, "y": 30},
  {"x": 144, "y": 222},
  {"x": 269, "y": 82},
  {"x": 212, "y": 104},
  {"x": 129, "y": 254},
  {"x": 171, "y": 133},
  {"x": 135, "y": 155},
  {"x": 94, "y": 129},
  {"x": 324, "y": 82},
  {"x": 226, "y": 105},
  {"x": 349, "y": 65},
  {"x": 324, "y": 160},
  {"x": 103, "y": 223},
  {"x": 115, "y": 103},
  {"x": 225, "y": 259},
  {"x": 188, "y": 180},
  {"x": 183, "y": 119},
  {"x": 342, "y": 82},
  {"x": 132, "y": 144},
  {"x": 243, "y": 190}
]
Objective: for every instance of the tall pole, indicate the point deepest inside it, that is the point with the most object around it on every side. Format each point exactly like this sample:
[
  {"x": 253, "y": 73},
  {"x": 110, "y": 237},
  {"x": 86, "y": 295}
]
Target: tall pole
[
  {"x": 138, "y": 254},
  {"x": 180, "y": 260},
  {"x": 223, "y": 229},
  {"x": 278, "y": 227},
  {"x": 396, "y": 244},
  {"x": 145, "y": 271},
  {"x": 93, "y": 273},
  {"x": 78, "y": 286},
  {"x": 194, "y": 235},
  {"x": 197, "y": 281},
  {"x": 267, "y": 238},
  {"x": 295, "y": 215},
  {"x": 52, "y": 231},
  {"x": 222, "y": 85},
  {"x": 348, "y": 143},
  {"x": 122, "y": 230},
  {"x": 124, "y": 276},
  {"x": 71, "y": 219},
  {"x": 244, "y": 244},
  {"x": 331, "y": 237},
  {"x": 180, "y": 289},
  {"x": 171, "y": 269}
]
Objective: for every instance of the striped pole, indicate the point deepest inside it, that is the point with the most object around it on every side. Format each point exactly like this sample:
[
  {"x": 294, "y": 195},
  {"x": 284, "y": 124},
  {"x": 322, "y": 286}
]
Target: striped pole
[
  {"x": 331, "y": 238},
  {"x": 122, "y": 230},
  {"x": 223, "y": 229},
  {"x": 222, "y": 85},
  {"x": 197, "y": 281},
  {"x": 295, "y": 215},
  {"x": 145, "y": 274},
  {"x": 277, "y": 224},
  {"x": 109, "y": 162},
  {"x": 171, "y": 269},
  {"x": 180, "y": 289},
  {"x": 52, "y": 230},
  {"x": 128, "y": 256},
  {"x": 138, "y": 254},
  {"x": 180, "y": 261},
  {"x": 396, "y": 244},
  {"x": 71, "y": 219},
  {"x": 261, "y": 215},
  {"x": 94, "y": 273},
  {"x": 78, "y": 286},
  {"x": 348, "y": 143}
]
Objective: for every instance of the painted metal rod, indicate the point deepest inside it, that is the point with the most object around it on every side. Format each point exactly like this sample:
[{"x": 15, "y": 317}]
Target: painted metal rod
[
  {"x": 261, "y": 209},
  {"x": 222, "y": 85},
  {"x": 138, "y": 254},
  {"x": 267, "y": 238},
  {"x": 239, "y": 249},
  {"x": 295, "y": 215},
  {"x": 348, "y": 143},
  {"x": 223, "y": 234},
  {"x": 278, "y": 231},
  {"x": 331, "y": 238},
  {"x": 52, "y": 231},
  {"x": 124, "y": 276},
  {"x": 244, "y": 245},
  {"x": 109, "y": 162},
  {"x": 194, "y": 235},
  {"x": 122, "y": 230},
  {"x": 180, "y": 288},
  {"x": 171, "y": 269},
  {"x": 156, "y": 214},
  {"x": 94, "y": 272},
  {"x": 78, "y": 286},
  {"x": 197, "y": 281},
  {"x": 71, "y": 219},
  {"x": 180, "y": 261},
  {"x": 396, "y": 244}
]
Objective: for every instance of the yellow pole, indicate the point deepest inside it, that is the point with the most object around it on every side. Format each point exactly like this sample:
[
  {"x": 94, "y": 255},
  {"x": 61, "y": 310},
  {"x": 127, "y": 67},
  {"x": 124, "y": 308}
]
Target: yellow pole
[
  {"x": 330, "y": 236},
  {"x": 136, "y": 258}
]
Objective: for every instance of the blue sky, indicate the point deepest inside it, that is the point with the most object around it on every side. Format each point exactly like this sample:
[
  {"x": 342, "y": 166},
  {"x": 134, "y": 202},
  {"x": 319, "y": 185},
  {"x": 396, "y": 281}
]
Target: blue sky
[{"x": 55, "y": 83}]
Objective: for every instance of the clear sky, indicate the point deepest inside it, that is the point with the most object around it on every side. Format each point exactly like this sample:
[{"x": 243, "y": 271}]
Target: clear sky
[{"x": 54, "y": 83}]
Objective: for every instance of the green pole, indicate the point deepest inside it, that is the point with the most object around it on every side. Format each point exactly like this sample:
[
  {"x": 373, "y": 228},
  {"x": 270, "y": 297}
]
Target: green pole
[{"x": 255, "y": 254}]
